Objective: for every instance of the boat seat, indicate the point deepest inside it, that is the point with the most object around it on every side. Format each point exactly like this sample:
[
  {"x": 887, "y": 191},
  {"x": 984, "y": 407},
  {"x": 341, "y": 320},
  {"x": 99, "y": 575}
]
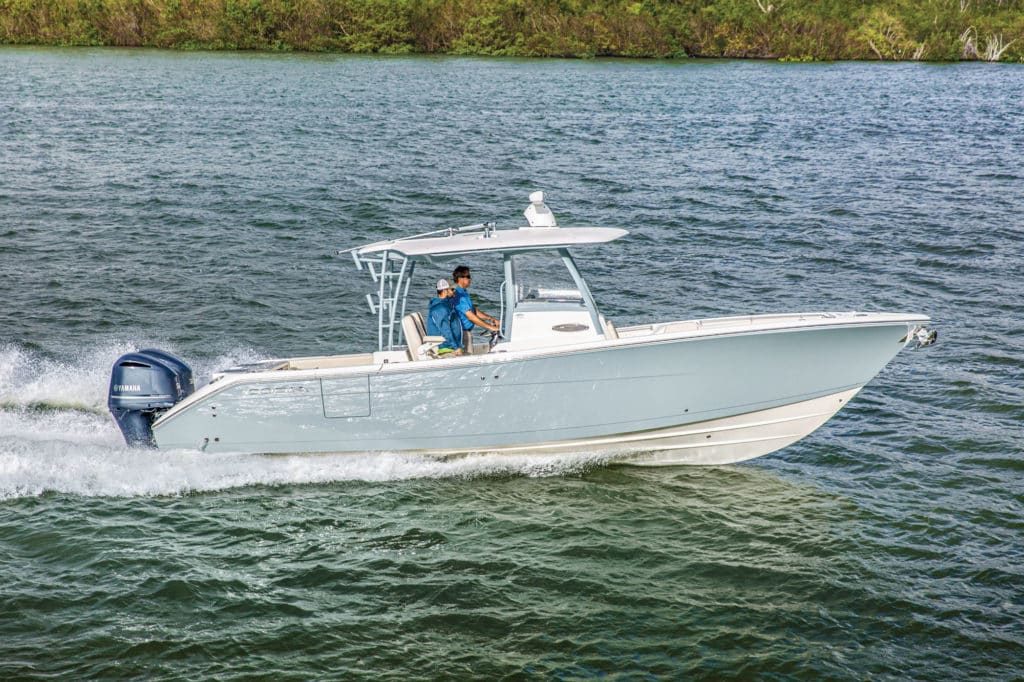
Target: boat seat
[{"x": 420, "y": 345}]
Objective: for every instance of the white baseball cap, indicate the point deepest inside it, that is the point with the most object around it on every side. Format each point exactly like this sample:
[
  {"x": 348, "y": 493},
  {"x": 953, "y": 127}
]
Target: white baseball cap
[{"x": 442, "y": 284}]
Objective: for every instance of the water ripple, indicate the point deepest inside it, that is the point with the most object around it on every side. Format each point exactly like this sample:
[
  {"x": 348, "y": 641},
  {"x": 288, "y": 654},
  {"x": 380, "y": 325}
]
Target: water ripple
[{"x": 193, "y": 201}]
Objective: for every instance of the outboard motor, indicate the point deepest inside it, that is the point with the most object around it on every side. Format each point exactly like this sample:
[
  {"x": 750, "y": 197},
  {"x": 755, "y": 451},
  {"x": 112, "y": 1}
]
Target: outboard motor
[{"x": 142, "y": 386}]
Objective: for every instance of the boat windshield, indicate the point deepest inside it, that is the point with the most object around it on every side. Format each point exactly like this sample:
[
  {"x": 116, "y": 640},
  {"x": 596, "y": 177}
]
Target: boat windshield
[{"x": 542, "y": 276}]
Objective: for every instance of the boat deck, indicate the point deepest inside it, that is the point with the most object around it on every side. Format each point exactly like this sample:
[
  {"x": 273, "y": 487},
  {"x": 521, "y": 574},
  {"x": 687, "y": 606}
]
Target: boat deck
[{"x": 683, "y": 328}]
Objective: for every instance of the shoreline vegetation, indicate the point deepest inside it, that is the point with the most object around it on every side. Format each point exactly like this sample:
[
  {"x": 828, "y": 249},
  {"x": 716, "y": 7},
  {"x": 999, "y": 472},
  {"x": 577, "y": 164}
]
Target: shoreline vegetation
[{"x": 787, "y": 30}]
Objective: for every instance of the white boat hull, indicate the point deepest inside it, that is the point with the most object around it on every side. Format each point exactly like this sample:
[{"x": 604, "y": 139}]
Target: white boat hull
[
  {"x": 713, "y": 442},
  {"x": 722, "y": 393},
  {"x": 561, "y": 377}
]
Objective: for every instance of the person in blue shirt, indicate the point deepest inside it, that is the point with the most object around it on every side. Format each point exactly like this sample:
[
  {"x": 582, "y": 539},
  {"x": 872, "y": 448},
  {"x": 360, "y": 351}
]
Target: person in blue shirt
[
  {"x": 443, "y": 320},
  {"x": 469, "y": 313}
]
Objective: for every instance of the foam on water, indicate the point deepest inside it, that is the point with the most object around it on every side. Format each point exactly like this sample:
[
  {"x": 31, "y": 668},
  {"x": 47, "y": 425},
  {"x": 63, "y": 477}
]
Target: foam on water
[
  {"x": 56, "y": 436},
  {"x": 78, "y": 381},
  {"x": 193, "y": 202},
  {"x": 35, "y": 468},
  {"x": 29, "y": 379}
]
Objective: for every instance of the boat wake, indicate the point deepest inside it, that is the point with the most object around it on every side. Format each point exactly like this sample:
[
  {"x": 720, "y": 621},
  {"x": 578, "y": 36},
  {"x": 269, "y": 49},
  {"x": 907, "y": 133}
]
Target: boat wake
[{"x": 56, "y": 436}]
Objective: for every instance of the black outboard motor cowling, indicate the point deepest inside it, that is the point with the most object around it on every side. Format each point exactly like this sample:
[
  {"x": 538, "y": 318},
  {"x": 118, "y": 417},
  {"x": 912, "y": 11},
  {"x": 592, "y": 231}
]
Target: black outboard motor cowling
[{"x": 142, "y": 386}]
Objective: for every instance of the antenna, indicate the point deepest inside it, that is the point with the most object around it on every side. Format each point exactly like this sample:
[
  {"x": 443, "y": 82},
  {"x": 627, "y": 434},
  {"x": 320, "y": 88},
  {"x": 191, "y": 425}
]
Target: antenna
[{"x": 537, "y": 213}]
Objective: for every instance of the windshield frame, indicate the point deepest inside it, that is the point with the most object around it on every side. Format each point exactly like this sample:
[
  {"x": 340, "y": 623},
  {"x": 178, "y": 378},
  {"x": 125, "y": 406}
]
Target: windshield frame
[{"x": 511, "y": 300}]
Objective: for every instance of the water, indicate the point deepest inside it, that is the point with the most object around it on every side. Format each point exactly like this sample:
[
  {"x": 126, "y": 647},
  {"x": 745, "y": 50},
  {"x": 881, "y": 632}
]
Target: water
[{"x": 194, "y": 201}]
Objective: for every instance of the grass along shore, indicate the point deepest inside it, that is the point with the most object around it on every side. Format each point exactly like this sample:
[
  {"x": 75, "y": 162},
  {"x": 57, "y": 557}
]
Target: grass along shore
[{"x": 790, "y": 30}]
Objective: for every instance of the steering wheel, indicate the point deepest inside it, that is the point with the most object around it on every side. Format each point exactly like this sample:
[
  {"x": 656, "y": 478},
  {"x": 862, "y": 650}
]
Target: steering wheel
[{"x": 492, "y": 337}]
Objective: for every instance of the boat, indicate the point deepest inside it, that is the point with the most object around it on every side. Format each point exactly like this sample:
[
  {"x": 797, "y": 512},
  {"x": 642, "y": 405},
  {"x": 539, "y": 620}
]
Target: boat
[{"x": 558, "y": 378}]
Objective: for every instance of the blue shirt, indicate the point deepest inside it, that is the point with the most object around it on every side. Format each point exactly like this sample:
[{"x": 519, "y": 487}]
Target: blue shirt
[
  {"x": 442, "y": 320},
  {"x": 463, "y": 304}
]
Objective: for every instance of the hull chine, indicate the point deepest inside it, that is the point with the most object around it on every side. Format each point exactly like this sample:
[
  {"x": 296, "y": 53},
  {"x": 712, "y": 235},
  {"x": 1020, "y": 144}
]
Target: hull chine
[
  {"x": 714, "y": 442},
  {"x": 742, "y": 437}
]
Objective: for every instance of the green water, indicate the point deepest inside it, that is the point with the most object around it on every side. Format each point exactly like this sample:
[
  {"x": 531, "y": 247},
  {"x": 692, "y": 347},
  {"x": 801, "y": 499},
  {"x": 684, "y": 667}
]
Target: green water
[{"x": 194, "y": 202}]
